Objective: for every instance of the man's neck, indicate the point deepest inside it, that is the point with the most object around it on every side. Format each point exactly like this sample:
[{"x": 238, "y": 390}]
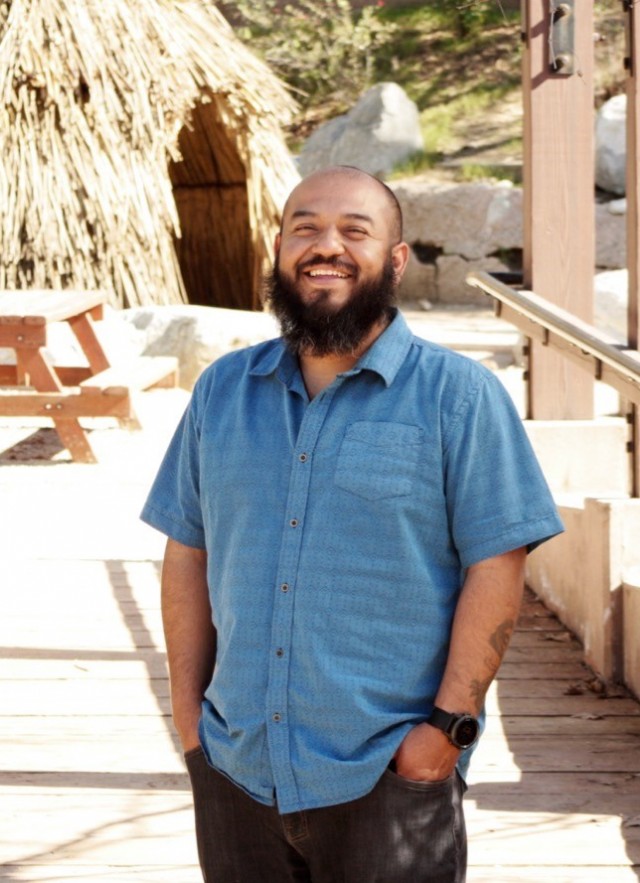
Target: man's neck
[{"x": 318, "y": 372}]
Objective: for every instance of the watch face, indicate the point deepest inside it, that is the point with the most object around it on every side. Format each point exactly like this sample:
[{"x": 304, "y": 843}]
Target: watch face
[{"x": 465, "y": 731}]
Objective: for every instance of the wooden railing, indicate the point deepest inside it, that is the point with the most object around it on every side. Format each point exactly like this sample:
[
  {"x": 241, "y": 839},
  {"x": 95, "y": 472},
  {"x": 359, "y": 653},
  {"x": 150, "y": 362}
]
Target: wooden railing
[{"x": 595, "y": 351}]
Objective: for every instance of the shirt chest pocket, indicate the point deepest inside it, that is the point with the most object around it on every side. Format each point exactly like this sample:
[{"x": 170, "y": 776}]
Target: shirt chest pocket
[{"x": 378, "y": 460}]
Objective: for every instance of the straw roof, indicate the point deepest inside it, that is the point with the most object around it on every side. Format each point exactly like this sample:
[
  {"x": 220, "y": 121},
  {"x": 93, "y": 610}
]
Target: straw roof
[{"x": 93, "y": 98}]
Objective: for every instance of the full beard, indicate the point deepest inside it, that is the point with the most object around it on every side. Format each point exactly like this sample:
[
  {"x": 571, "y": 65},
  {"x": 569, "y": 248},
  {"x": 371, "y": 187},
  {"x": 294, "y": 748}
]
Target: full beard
[{"x": 319, "y": 329}]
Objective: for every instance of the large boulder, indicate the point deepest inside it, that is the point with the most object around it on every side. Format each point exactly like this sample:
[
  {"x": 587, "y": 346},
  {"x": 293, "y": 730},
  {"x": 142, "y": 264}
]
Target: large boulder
[
  {"x": 470, "y": 220},
  {"x": 451, "y": 276},
  {"x": 196, "y": 335},
  {"x": 380, "y": 131},
  {"x": 611, "y": 235},
  {"x": 611, "y": 146},
  {"x": 610, "y": 306}
]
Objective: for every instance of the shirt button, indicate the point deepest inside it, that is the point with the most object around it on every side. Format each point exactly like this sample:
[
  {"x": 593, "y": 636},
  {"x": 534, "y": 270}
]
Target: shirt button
[
  {"x": 277, "y": 717},
  {"x": 303, "y": 458},
  {"x": 294, "y": 522},
  {"x": 284, "y": 587},
  {"x": 279, "y": 652}
]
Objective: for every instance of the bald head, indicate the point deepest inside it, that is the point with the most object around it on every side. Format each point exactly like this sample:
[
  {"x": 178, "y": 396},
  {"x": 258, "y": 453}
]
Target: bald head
[{"x": 332, "y": 176}]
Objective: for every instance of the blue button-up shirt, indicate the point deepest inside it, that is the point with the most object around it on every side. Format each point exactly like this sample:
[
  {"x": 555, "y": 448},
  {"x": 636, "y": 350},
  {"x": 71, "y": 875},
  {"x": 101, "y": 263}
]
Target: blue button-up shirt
[{"x": 338, "y": 531}]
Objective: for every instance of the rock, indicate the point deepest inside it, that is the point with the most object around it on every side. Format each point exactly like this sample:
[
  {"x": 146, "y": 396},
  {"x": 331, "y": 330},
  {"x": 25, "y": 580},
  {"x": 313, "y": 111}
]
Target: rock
[
  {"x": 196, "y": 335},
  {"x": 418, "y": 282},
  {"x": 611, "y": 147},
  {"x": 617, "y": 207},
  {"x": 451, "y": 273},
  {"x": 611, "y": 238},
  {"x": 611, "y": 299},
  {"x": 470, "y": 220},
  {"x": 380, "y": 131}
]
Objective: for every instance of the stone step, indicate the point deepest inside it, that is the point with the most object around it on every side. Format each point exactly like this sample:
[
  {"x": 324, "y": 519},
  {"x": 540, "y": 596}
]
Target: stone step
[{"x": 474, "y": 331}]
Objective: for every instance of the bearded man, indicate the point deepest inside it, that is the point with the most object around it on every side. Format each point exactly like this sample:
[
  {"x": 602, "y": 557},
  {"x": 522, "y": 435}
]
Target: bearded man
[{"x": 348, "y": 511}]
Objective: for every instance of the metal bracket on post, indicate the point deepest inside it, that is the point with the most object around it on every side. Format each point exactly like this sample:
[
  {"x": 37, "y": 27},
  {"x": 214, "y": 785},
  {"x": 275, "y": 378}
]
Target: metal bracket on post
[
  {"x": 627, "y": 6},
  {"x": 562, "y": 57}
]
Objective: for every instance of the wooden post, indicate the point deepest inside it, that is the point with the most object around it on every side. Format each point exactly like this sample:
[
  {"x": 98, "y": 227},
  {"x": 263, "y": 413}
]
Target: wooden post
[
  {"x": 559, "y": 210},
  {"x": 632, "y": 63}
]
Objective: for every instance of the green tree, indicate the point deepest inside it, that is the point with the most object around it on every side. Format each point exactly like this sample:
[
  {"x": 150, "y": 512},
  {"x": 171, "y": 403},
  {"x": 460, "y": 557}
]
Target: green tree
[{"x": 324, "y": 51}]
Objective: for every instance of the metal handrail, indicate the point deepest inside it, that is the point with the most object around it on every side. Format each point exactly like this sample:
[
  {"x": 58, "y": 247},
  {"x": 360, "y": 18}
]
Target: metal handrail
[{"x": 612, "y": 363}]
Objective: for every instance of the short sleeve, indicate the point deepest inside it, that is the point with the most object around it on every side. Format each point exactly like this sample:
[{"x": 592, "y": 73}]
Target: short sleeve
[
  {"x": 173, "y": 505},
  {"x": 497, "y": 497}
]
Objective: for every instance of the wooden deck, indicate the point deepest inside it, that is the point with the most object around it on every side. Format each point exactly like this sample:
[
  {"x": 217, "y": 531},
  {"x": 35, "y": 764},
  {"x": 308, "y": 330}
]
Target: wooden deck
[{"x": 92, "y": 785}]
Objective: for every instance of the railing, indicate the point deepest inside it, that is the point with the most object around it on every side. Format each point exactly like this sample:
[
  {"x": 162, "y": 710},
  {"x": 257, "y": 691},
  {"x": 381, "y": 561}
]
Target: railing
[
  {"x": 539, "y": 319},
  {"x": 595, "y": 351}
]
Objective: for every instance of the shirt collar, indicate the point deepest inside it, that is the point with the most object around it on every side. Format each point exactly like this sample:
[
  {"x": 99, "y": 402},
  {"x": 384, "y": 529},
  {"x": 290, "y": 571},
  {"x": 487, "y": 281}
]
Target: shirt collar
[
  {"x": 385, "y": 356},
  {"x": 387, "y": 353}
]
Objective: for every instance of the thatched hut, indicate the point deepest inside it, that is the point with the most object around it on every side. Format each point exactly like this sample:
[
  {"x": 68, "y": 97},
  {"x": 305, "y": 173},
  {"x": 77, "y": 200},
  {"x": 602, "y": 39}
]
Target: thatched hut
[{"x": 141, "y": 151}]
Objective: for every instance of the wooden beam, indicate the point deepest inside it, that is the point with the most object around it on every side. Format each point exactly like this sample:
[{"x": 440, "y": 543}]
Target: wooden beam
[
  {"x": 632, "y": 63},
  {"x": 85, "y": 332},
  {"x": 559, "y": 211},
  {"x": 67, "y": 405}
]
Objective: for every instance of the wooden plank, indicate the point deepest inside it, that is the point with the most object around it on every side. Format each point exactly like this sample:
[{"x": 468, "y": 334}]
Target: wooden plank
[
  {"x": 632, "y": 172},
  {"x": 616, "y": 753},
  {"x": 526, "y": 671},
  {"x": 16, "y": 333},
  {"x": 67, "y": 375},
  {"x": 559, "y": 726},
  {"x": 122, "y": 828},
  {"x": 574, "y": 839},
  {"x": 20, "y": 403},
  {"x": 139, "y": 665},
  {"x": 559, "y": 213},
  {"x": 576, "y": 705},
  {"x": 633, "y": 210},
  {"x": 85, "y": 332},
  {"x": 549, "y": 874},
  {"x": 54, "y": 306},
  {"x": 140, "y": 373},
  {"x": 34, "y": 872}
]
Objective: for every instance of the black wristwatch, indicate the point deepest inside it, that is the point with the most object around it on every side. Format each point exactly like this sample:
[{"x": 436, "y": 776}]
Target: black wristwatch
[{"x": 462, "y": 730}]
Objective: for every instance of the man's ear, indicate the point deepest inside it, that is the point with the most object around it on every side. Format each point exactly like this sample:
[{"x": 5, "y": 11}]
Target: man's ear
[
  {"x": 400, "y": 258},
  {"x": 276, "y": 244}
]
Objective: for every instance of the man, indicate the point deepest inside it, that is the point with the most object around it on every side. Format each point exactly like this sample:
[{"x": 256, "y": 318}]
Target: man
[{"x": 348, "y": 511}]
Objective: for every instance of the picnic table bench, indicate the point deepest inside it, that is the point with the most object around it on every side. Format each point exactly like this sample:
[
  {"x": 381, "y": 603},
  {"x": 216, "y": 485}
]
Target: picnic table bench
[{"x": 35, "y": 387}]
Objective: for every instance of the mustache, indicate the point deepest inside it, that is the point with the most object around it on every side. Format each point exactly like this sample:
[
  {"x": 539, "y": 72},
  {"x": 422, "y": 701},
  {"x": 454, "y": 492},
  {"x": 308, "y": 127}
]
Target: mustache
[{"x": 335, "y": 262}]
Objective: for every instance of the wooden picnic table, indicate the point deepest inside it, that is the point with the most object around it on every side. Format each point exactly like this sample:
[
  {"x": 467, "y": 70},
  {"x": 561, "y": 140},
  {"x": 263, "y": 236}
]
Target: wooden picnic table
[{"x": 35, "y": 387}]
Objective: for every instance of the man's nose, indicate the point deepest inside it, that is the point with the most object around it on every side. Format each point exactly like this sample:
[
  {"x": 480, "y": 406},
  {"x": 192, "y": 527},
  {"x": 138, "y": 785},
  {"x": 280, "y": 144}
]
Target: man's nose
[{"x": 328, "y": 242}]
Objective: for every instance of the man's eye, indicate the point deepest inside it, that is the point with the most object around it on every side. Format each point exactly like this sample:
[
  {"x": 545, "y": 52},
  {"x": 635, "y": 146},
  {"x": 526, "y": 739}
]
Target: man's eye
[{"x": 356, "y": 231}]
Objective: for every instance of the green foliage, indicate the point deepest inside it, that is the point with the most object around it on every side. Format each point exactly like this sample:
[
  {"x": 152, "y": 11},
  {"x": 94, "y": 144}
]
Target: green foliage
[
  {"x": 324, "y": 51},
  {"x": 469, "y": 17},
  {"x": 486, "y": 171}
]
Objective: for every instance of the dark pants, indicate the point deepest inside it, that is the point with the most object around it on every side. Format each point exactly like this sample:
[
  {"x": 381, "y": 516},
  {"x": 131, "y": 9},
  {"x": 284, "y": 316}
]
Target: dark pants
[{"x": 401, "y": 832}]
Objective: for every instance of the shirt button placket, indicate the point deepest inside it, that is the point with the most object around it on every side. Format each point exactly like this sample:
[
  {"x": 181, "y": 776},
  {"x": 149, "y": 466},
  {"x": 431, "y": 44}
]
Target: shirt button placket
[{"x": 278, "y": 716}]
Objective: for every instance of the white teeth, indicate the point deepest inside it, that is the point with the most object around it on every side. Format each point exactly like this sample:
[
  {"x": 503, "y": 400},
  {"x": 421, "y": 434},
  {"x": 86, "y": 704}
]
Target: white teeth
[{"x": 327, "y": 273}]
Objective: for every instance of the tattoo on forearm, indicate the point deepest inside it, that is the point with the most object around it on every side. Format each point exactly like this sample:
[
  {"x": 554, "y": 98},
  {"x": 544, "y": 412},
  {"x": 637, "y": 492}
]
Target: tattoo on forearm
[
  {"x": 499, "y": 641},
  {"x": 479, "y": 689}
]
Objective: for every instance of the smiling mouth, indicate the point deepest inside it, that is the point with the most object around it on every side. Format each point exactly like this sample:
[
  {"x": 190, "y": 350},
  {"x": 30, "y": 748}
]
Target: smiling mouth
[{"x": 324, "y": 274}]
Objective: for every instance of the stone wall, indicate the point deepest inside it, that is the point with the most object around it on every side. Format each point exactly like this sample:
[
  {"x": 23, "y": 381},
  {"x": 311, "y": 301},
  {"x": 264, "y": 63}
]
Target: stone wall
[{"x": 456, "y": 228}]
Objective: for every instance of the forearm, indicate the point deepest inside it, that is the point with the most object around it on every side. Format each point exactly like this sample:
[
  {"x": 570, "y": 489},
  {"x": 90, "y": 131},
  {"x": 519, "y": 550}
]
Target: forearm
[
  {"x": 483, "y": 624},
  {"x": 189, "y": 634},
  {"x": 484, "y": 621}
]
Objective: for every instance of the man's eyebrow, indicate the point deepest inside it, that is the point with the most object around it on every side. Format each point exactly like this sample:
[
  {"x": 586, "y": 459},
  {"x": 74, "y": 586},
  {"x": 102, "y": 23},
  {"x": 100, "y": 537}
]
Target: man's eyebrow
[
  {"x": 355, "y": 216},
  {"x": 352, "y": 216}
]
